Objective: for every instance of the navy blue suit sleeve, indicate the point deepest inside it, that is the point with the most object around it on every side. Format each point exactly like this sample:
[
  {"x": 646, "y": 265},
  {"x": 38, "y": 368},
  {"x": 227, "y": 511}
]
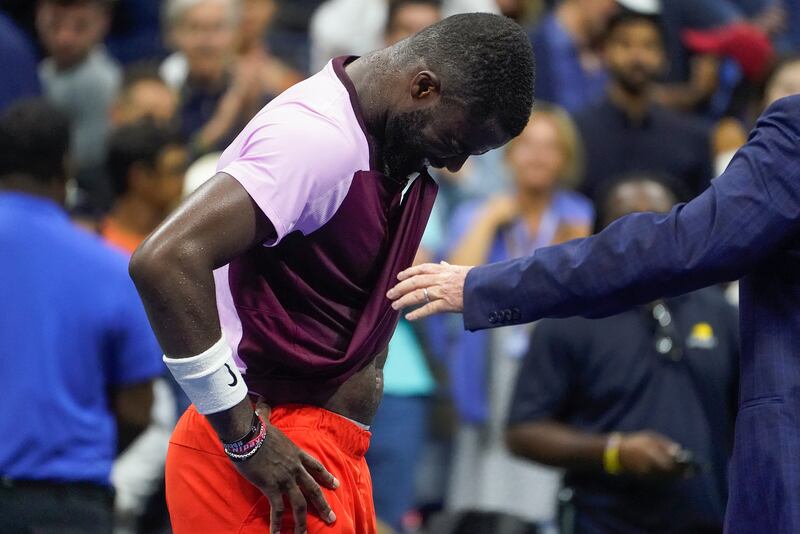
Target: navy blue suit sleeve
[{"x": 743, "y": 217}]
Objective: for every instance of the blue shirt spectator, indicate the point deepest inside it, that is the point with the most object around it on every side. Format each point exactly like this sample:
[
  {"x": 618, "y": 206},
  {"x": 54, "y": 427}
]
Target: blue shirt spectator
[
  {"x": 73, "y": 329},
  {"x": 20, "y": 78}
]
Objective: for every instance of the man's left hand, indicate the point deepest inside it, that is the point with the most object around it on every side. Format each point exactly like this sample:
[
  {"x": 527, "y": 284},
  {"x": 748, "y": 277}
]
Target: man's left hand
[{"x": 439, "y": 288}]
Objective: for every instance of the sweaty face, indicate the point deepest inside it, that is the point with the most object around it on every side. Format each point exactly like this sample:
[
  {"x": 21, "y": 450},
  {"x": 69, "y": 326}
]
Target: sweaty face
[
  {"x": 442, "y": 138},
  {"x": 69, "y": 33},
  {"x": 634, "y": 54}
]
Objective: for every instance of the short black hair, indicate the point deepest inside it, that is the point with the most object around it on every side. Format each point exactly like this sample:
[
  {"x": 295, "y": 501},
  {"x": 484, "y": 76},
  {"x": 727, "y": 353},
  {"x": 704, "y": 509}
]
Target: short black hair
[
  {"x": 485, "y": 61},
  {"x": 625, "y": 16},
  {"x": 142, "y": 71},
  {"x": 677, "y": 189},
  {"x": 397, "y": 5},
  {"x": 34, "y": 141},
  {"x": 142, "y": 142}
]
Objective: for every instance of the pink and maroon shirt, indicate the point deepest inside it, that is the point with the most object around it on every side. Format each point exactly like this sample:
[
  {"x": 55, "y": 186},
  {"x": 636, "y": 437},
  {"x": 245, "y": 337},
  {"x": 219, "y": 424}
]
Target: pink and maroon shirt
[{"x": 309, "y": 307}]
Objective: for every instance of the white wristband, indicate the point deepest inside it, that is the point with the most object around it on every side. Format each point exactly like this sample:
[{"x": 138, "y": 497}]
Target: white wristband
[{"x": 211, "y": 380}]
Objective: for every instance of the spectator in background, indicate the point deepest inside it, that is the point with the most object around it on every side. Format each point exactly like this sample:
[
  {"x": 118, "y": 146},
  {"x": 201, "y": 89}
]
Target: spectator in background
[
  {"x": 569, "y": 68},
  {"x": 631, "y": 405},
  {"x": 144, "y": 94},
  {"x": 217, "y": 97},
  {"x": 274, "y": 76},
  {"x": 627, "y": 130},
  {"x": 19, "y": 64},
  {"x": 545, "y": 161},
  {"x": 783, "y": 80},
  {"x": 81, "y": 79},
  {"x": 78, "y": 356},
  {"x": 355, "y": 27},
  {"x": 146, "y": 164}
]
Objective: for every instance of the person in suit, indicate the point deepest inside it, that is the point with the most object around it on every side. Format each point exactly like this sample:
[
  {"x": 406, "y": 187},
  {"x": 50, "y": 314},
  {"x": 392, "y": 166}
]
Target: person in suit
[{"x": 745, "y": 225}]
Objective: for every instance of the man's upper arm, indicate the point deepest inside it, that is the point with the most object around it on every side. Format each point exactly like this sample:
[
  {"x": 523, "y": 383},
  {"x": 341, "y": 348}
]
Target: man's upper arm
[{"x": 744, "y": 216}]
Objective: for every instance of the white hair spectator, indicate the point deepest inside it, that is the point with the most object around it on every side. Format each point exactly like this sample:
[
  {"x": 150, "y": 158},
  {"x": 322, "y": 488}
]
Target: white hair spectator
[{"x": 174, "y": 10}]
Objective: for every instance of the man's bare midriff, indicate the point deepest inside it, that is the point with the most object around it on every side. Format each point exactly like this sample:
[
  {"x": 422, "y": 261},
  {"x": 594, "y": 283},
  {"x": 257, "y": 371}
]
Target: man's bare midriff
[{"x": 357, "y": 398}]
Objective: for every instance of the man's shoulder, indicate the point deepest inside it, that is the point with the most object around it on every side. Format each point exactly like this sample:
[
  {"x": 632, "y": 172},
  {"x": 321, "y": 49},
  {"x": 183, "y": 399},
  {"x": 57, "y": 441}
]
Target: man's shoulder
[{"x": 314, "y": 117}]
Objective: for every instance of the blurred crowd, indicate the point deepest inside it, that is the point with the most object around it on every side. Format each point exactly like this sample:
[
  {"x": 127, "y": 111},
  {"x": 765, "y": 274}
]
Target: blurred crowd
[{"x": 620, "y": 424}]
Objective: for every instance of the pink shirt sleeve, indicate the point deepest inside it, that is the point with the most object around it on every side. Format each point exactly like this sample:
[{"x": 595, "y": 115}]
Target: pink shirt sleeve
[{"x": 296, "y": 165}]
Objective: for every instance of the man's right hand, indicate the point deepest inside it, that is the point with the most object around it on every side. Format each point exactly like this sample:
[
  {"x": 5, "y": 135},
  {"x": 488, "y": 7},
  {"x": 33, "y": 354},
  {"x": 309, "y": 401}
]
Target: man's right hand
[
  {"x": 650, "y": 454},
  {"x": 280, "y": 469}
]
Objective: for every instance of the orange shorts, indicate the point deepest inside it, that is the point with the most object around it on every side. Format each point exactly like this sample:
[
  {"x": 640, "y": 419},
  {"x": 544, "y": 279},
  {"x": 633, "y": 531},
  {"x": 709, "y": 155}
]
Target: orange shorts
[{"x": 205, "y": 492}]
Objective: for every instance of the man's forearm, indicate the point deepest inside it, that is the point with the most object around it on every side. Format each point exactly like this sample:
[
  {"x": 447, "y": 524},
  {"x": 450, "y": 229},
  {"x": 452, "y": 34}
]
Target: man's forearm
[
  {"x": 174, "y": 273},
  {"x": 744, "y": 216},
  {"x": 557, "y": 444}
]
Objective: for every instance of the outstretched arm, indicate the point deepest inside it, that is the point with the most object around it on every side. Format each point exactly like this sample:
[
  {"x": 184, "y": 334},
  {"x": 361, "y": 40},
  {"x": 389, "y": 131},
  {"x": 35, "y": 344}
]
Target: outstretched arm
[{"x": 744, "y": 216}]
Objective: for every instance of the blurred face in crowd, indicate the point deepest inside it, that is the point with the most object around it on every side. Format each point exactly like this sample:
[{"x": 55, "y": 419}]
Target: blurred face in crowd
[
  {"x": 145, "y": 99},
  {"x": 205, "y": 34},
  {"x": 70, "y": 32},
  {"x": 410, "y": 19},
  {"x": 163, "y": 184},
  {"x": 596, "y": 14},
  {"x": 637, "y": 196},
  {"x": 785, "y": 82},
  {"x": 256, "y": 17},
  {"x": 538, "y": 156},
  {"x": 634, "y": 54}
]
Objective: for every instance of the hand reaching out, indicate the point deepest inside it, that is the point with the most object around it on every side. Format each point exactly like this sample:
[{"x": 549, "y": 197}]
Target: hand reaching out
[{"x": 438, "y": 287}]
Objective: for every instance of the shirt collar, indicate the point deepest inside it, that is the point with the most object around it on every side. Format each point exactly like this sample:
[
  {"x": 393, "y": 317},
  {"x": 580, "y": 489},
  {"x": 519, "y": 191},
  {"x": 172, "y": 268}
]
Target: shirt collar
[{"x": 28, "y": 203}]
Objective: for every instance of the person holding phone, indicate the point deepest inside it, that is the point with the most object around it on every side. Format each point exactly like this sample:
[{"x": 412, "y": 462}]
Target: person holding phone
[{"x": 637, "y": 407}]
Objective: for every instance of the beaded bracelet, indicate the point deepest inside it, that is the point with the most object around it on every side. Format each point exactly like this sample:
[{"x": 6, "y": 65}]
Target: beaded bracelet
[{"x": 242, "y": 449}]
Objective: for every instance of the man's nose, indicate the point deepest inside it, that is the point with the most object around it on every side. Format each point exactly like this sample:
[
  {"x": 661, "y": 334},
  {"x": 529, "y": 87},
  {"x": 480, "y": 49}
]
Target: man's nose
[{"x": 455, "y": 164}]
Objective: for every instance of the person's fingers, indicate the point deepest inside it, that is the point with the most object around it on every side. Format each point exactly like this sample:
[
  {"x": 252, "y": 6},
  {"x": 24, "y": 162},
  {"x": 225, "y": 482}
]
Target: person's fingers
[
  {"x": 414, "y": 298},
  {"x": 409, "y": 285},
  {"x": 315, "y": 497},
  {"x": 663, "y": 460},
  {"x": 276, "y": 508},
  {"x": 425, "y": 268},
  {"x": 318, "y": 471},
  {"x": 299, "y": 508},
  {"x": 437, "y": 306}
]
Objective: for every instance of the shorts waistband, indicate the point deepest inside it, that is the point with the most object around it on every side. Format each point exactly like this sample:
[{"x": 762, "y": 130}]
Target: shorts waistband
[{"x": 351, "y": 438}]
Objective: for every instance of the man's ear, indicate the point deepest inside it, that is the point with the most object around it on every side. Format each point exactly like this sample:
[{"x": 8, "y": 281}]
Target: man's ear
[{"x": 425, "y": 84}]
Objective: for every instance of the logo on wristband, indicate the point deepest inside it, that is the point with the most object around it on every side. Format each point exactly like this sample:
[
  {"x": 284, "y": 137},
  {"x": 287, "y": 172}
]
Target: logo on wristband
[{"x": 235, "y": 380}]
